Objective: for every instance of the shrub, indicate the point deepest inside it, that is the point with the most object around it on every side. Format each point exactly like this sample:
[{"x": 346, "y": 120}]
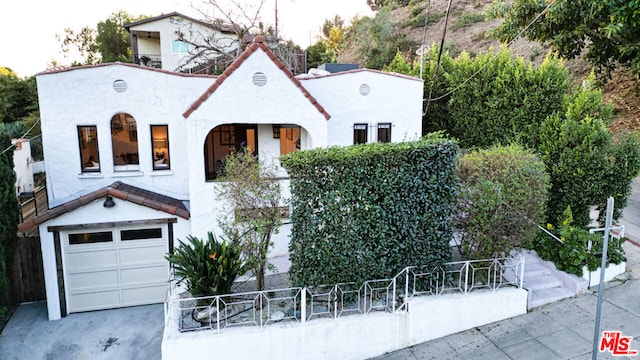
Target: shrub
[
  {"x": 9, "y": 215},
  {"x": 208, "y": 267},
  {"x": 467, "y": 19},
  {"x": 367, "y": 211},
  {"x": 586, "y": 165},
  {"x": 571, "y": 255},
  {"x": 505, "y": 101},
  {"x": 501, "y": 200}
]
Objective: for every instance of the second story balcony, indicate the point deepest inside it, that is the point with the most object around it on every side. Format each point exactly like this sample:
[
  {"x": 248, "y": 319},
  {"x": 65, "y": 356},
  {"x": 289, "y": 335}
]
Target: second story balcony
[{"x": 150, "y": 60}]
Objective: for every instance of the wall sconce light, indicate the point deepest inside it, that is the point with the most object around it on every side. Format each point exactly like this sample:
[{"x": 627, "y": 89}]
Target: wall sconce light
[
  {"x": 108, "y": 202},
  {"x": 276, "y": 131}
]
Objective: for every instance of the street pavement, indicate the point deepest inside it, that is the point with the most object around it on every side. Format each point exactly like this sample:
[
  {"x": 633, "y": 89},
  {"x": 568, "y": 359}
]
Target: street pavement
[{"x": 560, "y": 330}]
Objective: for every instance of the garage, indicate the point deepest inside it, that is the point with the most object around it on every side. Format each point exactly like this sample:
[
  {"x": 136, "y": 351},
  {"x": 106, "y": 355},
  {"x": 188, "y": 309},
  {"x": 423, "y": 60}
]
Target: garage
[{"x": 107, "y": 268}]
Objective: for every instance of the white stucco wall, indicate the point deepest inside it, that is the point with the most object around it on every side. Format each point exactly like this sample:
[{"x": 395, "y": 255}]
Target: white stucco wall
[
  {"x": 22, "y": 165},
  {"x": 349, "y": 337},
  {"x": 238, "y": 100},
  {"x": 86, "y": 96},
  {"x": 93, "y": 213},
  {"x": 392, "y": 98}
]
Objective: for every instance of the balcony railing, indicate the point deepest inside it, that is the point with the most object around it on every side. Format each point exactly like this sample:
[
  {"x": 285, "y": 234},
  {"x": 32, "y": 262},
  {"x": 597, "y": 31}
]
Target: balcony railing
[{"x": 150, "y": 60}]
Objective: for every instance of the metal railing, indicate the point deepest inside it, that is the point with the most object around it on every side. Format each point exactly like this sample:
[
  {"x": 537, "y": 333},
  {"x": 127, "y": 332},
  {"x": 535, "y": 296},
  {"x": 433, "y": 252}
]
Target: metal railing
[
  {"x": 150, "y": 60},
  {"x": 302, "y": 304}
]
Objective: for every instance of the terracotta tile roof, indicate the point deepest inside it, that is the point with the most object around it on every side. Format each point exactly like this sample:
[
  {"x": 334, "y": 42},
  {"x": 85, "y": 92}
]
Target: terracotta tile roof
[
  {"x": 403, "y": 76},
  {"x": 60, "y": 69},
  {"x": 118, "y": 190},
  {"x": 258, "y": 43}
]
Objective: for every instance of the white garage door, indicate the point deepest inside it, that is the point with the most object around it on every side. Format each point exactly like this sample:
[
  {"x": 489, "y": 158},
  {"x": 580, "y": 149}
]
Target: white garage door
[{"x": 110, "y": 268}]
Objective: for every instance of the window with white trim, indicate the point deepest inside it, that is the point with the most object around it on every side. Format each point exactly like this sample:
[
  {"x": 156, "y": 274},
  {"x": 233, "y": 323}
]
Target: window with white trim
[
  {"x": 384, "y": 132},
  {"x": 360, "y": 133}
]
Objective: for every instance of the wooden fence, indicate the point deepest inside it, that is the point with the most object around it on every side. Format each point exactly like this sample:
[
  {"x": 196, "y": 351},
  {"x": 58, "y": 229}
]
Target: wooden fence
[{"x": 26, "y": 274}]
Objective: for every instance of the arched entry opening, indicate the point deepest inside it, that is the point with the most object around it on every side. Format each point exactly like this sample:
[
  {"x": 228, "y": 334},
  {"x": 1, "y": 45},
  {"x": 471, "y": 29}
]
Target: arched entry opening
[{"x": 224, "y": 140}]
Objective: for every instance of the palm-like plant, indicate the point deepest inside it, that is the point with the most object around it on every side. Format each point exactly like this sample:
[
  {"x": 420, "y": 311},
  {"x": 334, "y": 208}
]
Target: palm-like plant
[{"x": 207, "y": 267}]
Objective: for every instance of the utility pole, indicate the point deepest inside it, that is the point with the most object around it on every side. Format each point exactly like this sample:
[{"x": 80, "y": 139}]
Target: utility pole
[
  {"x": 603, "y": 266},
  {"x": 276, "y": 20}
]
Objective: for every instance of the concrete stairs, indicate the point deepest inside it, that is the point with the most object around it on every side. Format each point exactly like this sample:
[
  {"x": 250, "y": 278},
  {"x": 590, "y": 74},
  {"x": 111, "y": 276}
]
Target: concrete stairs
[{"x": 544, "y": 283}]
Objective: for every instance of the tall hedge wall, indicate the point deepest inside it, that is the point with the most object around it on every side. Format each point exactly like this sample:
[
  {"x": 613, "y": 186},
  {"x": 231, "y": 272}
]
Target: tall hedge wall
[{"x": 367, "y": 211}]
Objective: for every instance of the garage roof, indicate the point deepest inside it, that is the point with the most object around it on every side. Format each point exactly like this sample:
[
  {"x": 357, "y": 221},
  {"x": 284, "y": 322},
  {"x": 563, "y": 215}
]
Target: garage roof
[{"x": 118, "y": 190}]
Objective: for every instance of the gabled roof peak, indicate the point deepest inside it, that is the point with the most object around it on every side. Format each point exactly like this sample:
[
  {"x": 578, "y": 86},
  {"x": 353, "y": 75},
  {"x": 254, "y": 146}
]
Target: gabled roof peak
[
  {"x": 118, "y": 190},
  {"x": 256, "y": 44}
]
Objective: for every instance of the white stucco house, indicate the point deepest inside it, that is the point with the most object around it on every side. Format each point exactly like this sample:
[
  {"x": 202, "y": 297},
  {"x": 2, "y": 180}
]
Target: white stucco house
[
  {"x": 133, "y": 152},
  {"x": 168, "y": 42},
  {"x": 22, "y": 165}
]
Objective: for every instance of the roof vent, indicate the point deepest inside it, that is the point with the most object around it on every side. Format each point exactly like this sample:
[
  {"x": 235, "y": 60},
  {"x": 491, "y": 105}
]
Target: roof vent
[
  {"x": 364, "y": 89},
  {"x": 259, "y": 79},
  {"x": 120, "y": 86}
]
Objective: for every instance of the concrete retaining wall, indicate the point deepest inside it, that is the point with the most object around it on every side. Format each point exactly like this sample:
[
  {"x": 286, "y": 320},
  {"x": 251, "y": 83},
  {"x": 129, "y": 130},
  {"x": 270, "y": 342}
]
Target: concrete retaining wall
[{"x": 349, "y": 337}]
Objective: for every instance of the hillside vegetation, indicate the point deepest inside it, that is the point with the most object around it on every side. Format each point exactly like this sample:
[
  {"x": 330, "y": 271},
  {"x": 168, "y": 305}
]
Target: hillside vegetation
[{"x": 468, "y": 31}]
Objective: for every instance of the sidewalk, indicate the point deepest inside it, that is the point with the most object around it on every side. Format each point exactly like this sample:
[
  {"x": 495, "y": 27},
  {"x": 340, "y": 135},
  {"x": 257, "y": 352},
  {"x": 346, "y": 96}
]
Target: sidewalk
[{"x": 561, "y": 330}]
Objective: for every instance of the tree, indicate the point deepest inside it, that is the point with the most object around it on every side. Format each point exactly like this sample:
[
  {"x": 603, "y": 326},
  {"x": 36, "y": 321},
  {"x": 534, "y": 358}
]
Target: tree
[
  {"x": 18, "y": 97},
  {"x": 82, "y": 43},
  {"x": 253, "y": 193},
  {"x": 114, "y": 43},
  {"x": 317, "y": 54},
  {"x": 243, "y": 21},
  {"x": 9, "y": 216},
  {"x": 329, "y": 24},
  {"x": 609, "y": 30},
  {"x": 108, "y": 42},
  {"x": 377, "y": 39}
]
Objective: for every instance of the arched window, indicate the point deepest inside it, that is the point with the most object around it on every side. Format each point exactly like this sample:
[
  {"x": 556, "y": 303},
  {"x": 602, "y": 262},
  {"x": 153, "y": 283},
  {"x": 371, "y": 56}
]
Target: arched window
[{"x": 124, "y": 142}]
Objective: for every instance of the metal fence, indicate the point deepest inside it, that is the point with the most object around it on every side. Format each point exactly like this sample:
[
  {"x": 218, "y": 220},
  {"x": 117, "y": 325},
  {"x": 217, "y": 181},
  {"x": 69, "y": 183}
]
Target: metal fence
[{"x": 302, "y": 304}]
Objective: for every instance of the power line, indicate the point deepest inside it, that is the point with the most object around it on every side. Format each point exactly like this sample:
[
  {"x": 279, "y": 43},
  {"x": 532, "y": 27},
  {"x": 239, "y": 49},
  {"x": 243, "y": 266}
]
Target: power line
[
  {"x": 424, "y": 36},
  {"x": 22, "y": 137},
  {"x": 435, "y": 73},
  {"x": 429, "y": 100}
]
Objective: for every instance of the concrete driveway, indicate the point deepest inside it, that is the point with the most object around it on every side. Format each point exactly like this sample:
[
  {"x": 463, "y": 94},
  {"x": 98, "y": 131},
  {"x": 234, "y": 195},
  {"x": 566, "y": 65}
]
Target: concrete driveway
[{"x": 127, "y": 333}]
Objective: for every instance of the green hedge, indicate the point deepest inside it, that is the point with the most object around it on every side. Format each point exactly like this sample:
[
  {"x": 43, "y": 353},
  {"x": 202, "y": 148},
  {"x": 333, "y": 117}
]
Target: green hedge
[{"x": 367, "y": 211}]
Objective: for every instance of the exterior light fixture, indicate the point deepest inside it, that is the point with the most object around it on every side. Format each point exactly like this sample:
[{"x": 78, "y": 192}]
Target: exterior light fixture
[
  {"x": 276, "y": 131},
  {"x": 108, "y": 202}
]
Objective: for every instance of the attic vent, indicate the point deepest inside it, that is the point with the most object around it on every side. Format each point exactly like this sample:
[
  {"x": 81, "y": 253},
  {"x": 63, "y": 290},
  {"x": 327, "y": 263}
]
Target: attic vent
[
  {"x": 120, "y": 86},
  {"x": 364, "y": 89},
  {"x": 259, "y": 79}
]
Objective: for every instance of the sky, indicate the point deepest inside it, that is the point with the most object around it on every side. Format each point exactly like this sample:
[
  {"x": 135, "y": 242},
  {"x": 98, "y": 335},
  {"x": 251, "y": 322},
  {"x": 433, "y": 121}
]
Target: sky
[{"x": 29, "y": 27}]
